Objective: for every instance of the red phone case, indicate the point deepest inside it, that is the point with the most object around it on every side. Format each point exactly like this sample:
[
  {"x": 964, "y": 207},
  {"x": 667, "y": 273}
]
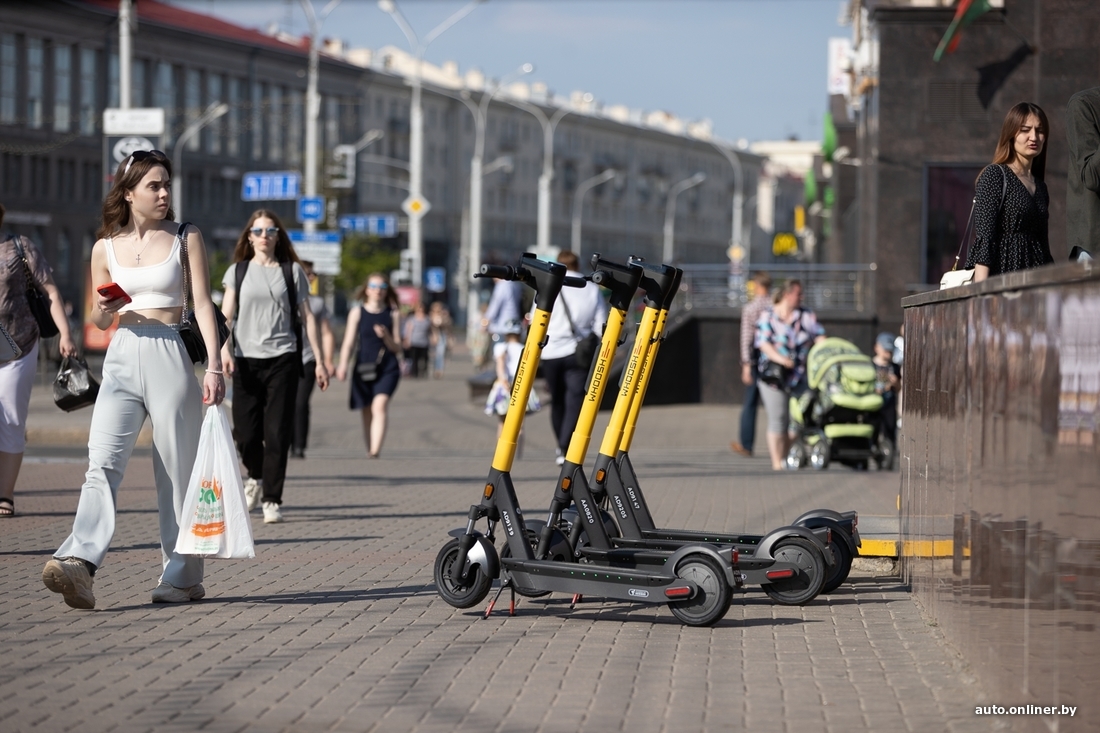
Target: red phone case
[{"x": 113, "y": 290}]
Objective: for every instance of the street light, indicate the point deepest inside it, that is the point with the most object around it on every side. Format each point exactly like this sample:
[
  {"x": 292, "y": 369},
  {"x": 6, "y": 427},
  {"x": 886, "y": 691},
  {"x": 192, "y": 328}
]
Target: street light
[
  {"x": 670, "y": 210},
  {"x": 578, "y": 205},
  {"x": 213, "y": 112},
  {"x": 542, "y": 243},
  {"x": 313, "y": 101},
  {"x": 416, "y": 123}
]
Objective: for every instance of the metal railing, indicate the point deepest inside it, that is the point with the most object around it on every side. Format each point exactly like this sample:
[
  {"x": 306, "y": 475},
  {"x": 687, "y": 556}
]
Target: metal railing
[{"x": 824, "y": 287}]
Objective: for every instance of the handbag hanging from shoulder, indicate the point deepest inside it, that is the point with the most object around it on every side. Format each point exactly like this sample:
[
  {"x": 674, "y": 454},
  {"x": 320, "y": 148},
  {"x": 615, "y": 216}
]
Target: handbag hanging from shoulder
[
  {"x": 587, "y": 346},
  {"x": 38, "y": 301},
  {"x": 9, "y": 350},
  {"x": 367, "y": 371},
  {"x": 775, "y": 374},
  {"x": 189, "y": 330},
  {"x": 955, "y": 277},
  {"x": 74, "y": 387}
]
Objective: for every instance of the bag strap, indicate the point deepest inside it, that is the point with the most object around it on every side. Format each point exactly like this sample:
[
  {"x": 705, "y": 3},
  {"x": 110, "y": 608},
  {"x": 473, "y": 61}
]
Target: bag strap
[
  {"x": 185, "y": 265},
  {"x": 569, "y": 317},
  {"x": 970, "y": 219},
  {"x": 31, "y": 282},
  {"x": 295, "y": 314}
]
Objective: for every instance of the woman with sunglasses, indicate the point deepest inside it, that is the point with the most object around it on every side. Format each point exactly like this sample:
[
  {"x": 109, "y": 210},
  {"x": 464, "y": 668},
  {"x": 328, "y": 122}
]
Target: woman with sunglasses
[
  {"x": 266, "y": 302},
  {"x": 377, "y": 369},
  {"x": 146, "y": 373}
]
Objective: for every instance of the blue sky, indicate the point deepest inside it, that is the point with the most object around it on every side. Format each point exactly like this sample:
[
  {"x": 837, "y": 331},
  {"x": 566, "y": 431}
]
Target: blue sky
[{"x": 756, "y": 68}]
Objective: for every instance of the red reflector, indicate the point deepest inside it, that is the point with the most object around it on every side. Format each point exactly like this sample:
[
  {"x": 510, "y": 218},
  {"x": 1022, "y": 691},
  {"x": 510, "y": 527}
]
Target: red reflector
[
  {"x": 734, "y": 557},
  {"x": 677, "y": 592},
  {"x": 776, "y": 574}
]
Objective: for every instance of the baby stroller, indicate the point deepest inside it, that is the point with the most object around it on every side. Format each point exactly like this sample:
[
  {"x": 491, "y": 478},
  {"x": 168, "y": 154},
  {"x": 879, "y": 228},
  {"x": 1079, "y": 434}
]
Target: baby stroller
[{"x": 838, "y": 417}]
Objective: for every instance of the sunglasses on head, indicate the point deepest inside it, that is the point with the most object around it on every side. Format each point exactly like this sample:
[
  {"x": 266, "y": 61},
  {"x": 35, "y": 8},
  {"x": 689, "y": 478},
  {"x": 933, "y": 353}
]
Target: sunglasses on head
[
  {"x": 142, "y": 155},
  {"x": 270, "y": 231}
]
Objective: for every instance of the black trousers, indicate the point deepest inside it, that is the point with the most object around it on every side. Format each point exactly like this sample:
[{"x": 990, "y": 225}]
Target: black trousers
[
  {"x": 301, "y": 407},
  {"x": 418, "y": 361},
  {"x": 263, "y": 417},
  {"x": 566, "y": 381}
]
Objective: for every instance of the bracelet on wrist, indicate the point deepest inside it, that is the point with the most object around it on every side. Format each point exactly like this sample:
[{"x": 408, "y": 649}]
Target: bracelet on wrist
[{"x": 215, "y": 371}]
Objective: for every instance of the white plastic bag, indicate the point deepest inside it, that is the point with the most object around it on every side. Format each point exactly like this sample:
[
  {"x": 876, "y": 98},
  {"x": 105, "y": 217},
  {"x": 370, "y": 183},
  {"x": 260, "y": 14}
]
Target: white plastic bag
[{"x": 215, "y": 521}]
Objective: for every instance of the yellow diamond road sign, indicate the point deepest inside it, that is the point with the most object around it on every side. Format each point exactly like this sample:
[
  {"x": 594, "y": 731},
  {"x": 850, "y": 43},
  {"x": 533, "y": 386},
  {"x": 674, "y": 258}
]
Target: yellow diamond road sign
[{"x": 416, "y": 206}]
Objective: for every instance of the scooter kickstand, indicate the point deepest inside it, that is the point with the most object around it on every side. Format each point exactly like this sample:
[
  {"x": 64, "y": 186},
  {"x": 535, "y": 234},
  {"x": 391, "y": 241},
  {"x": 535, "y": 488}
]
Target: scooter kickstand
[
  {"x": 576, "y": 599},
  {"x": 512, "y": 603},
  {"x": 493, "y": 602}
]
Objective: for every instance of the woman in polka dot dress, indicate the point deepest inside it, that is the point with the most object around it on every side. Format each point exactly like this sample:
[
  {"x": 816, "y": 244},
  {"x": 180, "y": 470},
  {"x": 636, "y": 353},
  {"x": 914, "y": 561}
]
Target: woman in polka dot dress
[{"x": 1012, "y": 235}]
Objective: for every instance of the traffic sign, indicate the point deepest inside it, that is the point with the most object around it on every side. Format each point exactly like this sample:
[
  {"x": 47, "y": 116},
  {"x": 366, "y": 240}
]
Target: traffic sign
[
  {"x": 435, "y": 279},
  {"x": 323, "y": 249},
  {"x": 270, "y": 186},
  {"x": 416, "y": 206},
  {"x": 382, "y": 225},
  {"x": 311, "y": 208},
  {"x": 143, "y": 121}
]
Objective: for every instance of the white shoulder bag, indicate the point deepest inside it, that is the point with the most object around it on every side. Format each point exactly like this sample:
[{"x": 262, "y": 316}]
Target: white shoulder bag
[{"x": 955, "y": 277}]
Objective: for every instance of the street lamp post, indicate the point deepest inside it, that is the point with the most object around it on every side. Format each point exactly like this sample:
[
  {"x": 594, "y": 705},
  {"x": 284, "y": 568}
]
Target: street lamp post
[
  {"x": 738, "y": 195},
  {"x": 213, "y": 112},
  {"x": 313, "y": 101},
  {"x": 542, "y": 243},
  {"x": 670, "y": 210},
  {"x": 416, "y": 123},
  {"x": 578, "y": 205}
]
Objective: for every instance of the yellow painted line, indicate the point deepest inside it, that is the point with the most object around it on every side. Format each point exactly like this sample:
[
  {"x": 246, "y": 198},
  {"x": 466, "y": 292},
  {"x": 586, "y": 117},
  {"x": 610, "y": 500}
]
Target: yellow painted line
[{"x": 909, "y": 548}]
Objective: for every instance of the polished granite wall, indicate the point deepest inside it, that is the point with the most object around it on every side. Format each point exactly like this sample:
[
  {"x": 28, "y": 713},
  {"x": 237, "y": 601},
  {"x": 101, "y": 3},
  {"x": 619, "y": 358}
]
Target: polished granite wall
[{"x": 1000, "y": 482}]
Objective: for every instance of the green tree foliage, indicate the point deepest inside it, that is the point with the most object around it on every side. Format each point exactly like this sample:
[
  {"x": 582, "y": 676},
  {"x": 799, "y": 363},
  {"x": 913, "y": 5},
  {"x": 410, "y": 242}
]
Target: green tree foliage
[{"x": 361, "y": 256}]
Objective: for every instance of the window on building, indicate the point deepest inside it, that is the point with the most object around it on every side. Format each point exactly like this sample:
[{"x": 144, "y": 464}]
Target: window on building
[
  {"x": 164, "y": 96},
  {"x": 40, "y": 176},
  {"x": 62, "y": 88},
  {"x": 62, "y": 259},
  {"x": 332, "y": 123},
  {"x": 213, "y": 132},
  {"x": 192, "y": 102},
  {"x": 137, "y": 83},
  {"x": 276, "y": 118},
  {"x": 295, "y": 118},
  {"x": 91, "y": 183},
  {"x": 35, "y": 72},
  {"x": 257, "y": 121},
  {"x": 948, "y": 193},
  {"x": 112, "y": 79},
  {"x": 233, "y": 117},
  {"x": 8, "y": 75},
  {"x": 66, "y": 180},
  {"x": 88, "y": 114}
]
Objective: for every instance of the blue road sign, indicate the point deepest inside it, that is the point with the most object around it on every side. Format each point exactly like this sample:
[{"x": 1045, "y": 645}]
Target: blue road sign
[
  {"x": 311, "y": 208},
  {"x": 435, "y": 279},
  {"x": 382, "y": 225},
  {"x": 270, "y": 186},
  {"x": 299, "y": 236}
]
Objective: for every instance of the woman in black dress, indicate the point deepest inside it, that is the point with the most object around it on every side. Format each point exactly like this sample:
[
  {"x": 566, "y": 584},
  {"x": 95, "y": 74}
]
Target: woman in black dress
[
  {"x": 1011, "y": 234},
  {"x": 377, "y": 369}
]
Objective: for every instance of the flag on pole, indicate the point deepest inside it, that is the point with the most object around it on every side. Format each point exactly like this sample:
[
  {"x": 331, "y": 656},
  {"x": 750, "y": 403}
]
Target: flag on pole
[{"x": 966, "y": 12}]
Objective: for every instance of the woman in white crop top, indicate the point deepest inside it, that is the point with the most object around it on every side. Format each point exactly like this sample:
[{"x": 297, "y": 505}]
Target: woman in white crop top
[{"x": 146, "y": 373}]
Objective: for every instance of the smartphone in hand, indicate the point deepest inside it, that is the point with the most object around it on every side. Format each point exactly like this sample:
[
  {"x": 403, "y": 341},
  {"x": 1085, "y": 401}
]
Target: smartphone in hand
[{"x": 113, "y": 291}]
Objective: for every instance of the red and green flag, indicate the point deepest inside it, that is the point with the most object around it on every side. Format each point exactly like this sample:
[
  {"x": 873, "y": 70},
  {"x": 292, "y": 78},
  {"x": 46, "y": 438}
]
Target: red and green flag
[{"x": 966, "y": 12}]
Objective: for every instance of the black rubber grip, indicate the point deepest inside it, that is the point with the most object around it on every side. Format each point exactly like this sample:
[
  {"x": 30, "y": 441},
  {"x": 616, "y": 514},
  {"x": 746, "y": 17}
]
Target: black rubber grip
[
  {"x": 501, "y": 272},
  {"x": 574, "y": 282}
]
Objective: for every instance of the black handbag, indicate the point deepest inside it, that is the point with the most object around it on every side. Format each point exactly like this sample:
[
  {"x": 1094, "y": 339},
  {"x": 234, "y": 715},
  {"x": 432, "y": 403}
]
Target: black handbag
[
  {"x": 189, "y": 329},
  {"x": 38, "y": 301},
  {"x": 775, "y": 374},
  {"x": 367, "y": 371},
  {"x": 74, "y": 387},
  {"x": 586, "y": 347}
]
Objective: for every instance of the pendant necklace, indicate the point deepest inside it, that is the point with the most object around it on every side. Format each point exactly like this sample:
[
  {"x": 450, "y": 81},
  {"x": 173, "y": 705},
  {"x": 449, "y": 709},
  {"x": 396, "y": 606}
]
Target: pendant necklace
[{"x": 137, "y": 254}]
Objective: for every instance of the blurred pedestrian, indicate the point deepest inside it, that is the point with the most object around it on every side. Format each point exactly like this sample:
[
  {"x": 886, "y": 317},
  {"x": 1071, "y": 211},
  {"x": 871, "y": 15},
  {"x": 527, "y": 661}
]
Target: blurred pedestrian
[
  {"x": 506, "y": 355},
  {"x": 760, "y": 289},
  {"x": 784, "y": 334},
  {"x": 375, "y": 325},
  {"x": 1011, "y": 204},
  {"x": 1083, "y": 189},
  {"x": 505, "y": 308},
  {"x": 887, "y": 384},
  {"x": 309, "y": 364},
  {"x": 441, "y": 337},
  {"x": 146, "y": 373},
  {"x": 577, "y": 313},
  {"x": 17, "y": 375},
  {"x": 266, "y": 303},
  {"x": 416, "y": 339}
]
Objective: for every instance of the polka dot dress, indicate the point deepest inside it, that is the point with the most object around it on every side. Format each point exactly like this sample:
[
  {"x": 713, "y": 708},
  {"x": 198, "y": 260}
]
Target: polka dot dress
[{"x": 1015, "y": 237}]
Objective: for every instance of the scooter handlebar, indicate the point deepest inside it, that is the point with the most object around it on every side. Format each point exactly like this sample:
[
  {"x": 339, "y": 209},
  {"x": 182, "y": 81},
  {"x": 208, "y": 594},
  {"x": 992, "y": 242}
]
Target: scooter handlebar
[
  {"x": 574, "y": 282},
  {"x": 500, "y": 272}
]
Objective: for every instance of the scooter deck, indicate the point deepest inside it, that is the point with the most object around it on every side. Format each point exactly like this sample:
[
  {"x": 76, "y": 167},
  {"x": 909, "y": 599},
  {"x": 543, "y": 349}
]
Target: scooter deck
[{"x": 591, "y": 580}]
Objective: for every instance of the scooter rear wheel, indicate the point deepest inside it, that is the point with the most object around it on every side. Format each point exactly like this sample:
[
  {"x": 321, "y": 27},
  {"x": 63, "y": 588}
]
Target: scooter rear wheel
[
  {"x": 808, "y": 579},
  {"x": 713, "y": 599},
  {"x": 839, "y": 572},
  {"x": 471, "y": 593}
]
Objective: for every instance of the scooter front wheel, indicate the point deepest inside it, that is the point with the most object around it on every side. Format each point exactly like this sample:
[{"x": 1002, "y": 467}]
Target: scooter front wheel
[
  {"x": 713, "y": 599},
  {"x": 809, "y": 575},
  {"x": 469, "y": 593}
]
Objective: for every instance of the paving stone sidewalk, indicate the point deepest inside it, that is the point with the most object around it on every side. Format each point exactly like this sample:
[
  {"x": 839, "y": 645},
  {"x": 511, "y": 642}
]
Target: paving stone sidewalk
[{"x": 336, "y": 626}]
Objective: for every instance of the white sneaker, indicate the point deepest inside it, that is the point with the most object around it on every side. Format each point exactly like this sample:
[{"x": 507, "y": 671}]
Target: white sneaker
[
  {"x": 272, "y": 513},
  {"x": 252, "y": 493}
]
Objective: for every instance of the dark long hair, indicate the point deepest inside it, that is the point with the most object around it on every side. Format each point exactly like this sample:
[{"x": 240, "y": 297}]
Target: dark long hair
[
  {"x": 116, "y": 210},
  {"x": 284, "y": 250},
  {"x": 1014, "y": 120}
]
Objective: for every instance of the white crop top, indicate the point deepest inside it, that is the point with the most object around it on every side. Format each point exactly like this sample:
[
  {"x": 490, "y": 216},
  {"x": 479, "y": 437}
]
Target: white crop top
[{"x": 150, "y": 286}]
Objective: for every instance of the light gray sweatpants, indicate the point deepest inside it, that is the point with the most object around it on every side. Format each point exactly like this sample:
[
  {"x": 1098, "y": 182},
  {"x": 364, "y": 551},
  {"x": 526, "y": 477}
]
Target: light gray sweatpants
[{"x": 146, "y": 373}]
